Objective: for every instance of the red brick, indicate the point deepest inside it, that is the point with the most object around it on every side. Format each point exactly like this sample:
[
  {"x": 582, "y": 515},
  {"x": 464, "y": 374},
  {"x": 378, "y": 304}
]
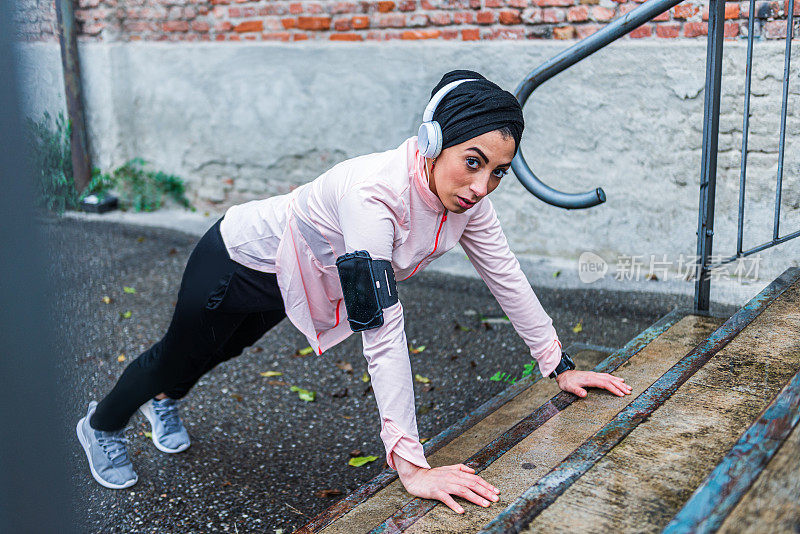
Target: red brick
[
  {"x": 564, "y": 32},
  {"x": 475, "y": 4},
  {"x": 173, "y": 26},
  {"x": 346, "y": 37},
  {"x": 796, "y": 10},
  {"x": 288, "y": 24},
  {"x": 493, "y": 3},
  {"x": 645, "y": 30},
  {"x": 685, "y": 11},
  {"x": 486, "y": 17},
  {"x": 440, "y": 19},
  {"x": 668, "y": 31},
  {"x": 553, "y": 15},
  {"x": 464, "y": 17},
  {"x": 276, "y": 36},
  {"x": 554, "y": 3},
  {"x": 510, "y": 17},
  {"x": 507, "y": 34},
  {"x": 578, "y": 14},
  {"x": 695, "y": 29},
  {"x": 470, "y": 34},
  {"x": 337, "y": 8},
  {"x": 219, "y": 37},
  {"x": 384, "y": 6},
  {"x": 200, "y": 26},
  {"x": 775, "y": 29},
  {"x": 518, "y": 3},
  {"x": 314, "y": 8},
  {"x": 420, "y": 34},
  {"x": 223, "y": 26},
  {"x": 602, "y": 14},
  {"x": 392, "y": 20},
  {"x": 626, "y": 8},
  {"x": 407, "y": 5},
  {"x": 361, "y": 22},
  {"x": 295, "y": 9},
  {"x": 450, "y": 34},
  {"x": 585, "y": 30},
  {"x": 299, "y": 37},
  {"x": 731, "y": 30},
  {"x": 662, "y": 17},
  {"x": 313, "y": 23},
  {"x": 417, "y": 20}
]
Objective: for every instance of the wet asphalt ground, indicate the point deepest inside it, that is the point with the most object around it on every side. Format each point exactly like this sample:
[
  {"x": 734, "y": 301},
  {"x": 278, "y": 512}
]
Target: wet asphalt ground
[{"x": 261, "y": 458}]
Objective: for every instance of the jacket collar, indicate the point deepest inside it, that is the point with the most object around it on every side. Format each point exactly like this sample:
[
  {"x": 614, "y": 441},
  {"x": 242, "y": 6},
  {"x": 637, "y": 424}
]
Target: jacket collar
[{"x": 419, "y": 176}]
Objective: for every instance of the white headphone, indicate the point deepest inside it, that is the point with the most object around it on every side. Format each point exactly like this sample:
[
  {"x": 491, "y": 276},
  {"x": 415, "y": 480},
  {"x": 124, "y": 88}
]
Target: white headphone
[{"x": 429, "y": 138}]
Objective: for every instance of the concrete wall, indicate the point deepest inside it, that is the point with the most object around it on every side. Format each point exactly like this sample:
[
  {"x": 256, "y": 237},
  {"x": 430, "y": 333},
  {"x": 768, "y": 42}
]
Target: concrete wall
[{"x": 241, "y": 121}]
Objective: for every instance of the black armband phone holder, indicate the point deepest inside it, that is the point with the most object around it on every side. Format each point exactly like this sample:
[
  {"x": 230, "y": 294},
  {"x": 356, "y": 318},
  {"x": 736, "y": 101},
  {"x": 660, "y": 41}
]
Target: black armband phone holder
[{"x": 368, "y": 286}]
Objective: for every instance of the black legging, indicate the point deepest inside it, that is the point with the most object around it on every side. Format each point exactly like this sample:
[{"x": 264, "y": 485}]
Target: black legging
[{"x": 222, "y": 308}]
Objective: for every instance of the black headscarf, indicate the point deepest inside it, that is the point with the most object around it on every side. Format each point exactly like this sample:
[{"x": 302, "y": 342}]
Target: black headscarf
[{"x": 474, "y": 108}]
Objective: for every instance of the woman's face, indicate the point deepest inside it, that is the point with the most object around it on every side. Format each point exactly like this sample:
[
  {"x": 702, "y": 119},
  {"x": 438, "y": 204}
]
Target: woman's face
[{"x": 465, "y": 173}]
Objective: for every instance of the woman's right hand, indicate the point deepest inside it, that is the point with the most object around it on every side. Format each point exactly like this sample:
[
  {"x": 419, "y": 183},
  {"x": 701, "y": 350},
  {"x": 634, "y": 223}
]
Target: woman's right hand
[{"x": 442, "y": 482}]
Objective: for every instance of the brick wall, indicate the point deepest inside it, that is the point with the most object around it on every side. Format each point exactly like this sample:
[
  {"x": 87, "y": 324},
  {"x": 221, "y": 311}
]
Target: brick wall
[{"x": 464, "y": 20}]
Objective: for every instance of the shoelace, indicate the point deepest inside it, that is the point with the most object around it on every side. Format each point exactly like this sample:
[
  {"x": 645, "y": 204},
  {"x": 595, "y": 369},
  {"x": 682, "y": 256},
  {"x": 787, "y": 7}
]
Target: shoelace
[
  {"x": 168, "y": 414},
  {"x": 114, "y": 447}
]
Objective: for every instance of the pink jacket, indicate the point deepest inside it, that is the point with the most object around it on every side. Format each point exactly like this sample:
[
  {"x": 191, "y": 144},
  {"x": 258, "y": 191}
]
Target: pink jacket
[{"x": 381, "y": 203}]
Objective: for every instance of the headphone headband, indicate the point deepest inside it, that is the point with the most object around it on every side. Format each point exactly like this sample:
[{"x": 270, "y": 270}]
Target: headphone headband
[{"x": 427, "y": 116}]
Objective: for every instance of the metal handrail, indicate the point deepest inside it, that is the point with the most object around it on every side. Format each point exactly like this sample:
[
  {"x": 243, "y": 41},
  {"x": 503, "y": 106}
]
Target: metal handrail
[{"x": 580, "y": 50}]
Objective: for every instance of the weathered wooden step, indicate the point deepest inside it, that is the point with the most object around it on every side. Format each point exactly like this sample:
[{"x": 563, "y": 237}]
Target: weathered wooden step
[
  {"x": 543, "y": 443},
  {"x": 644, "y": 480}
]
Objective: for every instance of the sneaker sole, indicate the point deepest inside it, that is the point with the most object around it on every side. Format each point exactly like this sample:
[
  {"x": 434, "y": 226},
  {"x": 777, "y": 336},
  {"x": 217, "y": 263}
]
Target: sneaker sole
[
  {"x": 86, "y": 449},
  {"x": 149, "y": 416}
]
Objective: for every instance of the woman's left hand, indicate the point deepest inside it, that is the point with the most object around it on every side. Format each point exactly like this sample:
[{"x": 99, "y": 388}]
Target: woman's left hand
[{"x": 574, "y": 382}]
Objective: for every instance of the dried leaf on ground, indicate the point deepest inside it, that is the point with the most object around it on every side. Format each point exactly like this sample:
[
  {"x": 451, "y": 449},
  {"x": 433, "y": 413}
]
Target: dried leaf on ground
[
  {"x": 107, "y": 299},
  {"x": 347, "y": 367},
  {"x": 271, "y": 373},
  {"x": 328, "y": 493},
  {"x": 121, "y": 358},
  {"x": 423, "y": 379},
  {"x": 128, "y": 290},
  {"x": 415, "y": 350},
  {"x": 355, "y": 452},
  {"x": 125, "y": 315},
  {"x": 365, "y": 377},
  {"x": 277, "y": 383},
  {"x": 577, "y": 328},
  {"x": 358, "y": 461},
  {"x": 304, "y": 352}
]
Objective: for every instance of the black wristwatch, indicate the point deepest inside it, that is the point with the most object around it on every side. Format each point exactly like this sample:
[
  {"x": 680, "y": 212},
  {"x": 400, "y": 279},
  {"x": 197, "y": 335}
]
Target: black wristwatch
[{"x": 566, "y": 364}]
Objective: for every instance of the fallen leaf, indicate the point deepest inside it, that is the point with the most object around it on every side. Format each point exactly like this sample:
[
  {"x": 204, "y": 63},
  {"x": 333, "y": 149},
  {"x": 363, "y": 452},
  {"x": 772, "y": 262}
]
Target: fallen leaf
[
  {"x": 140, "y": 239},
  {"x": 121, "y": 358},
  {"x": 271, "y": 373},
  {"x": 453, "y": 357},
  {"x": 277, "y": 383},
  {"x": 107, "y": 299},
  {"x": 577, "y": 328},
  {"x": 556, "y": 274},
  {"x": 365, "y": 377},
  {"x": 358, "y": 461},
  {"x": 415, "y": 350},
  {"x": 148, "y": 435},
  {"x": 303, "y": 352},
  {"x": 258, "y": 349},
  {"x": 428, "y": 387},
  {"x": 423, "y": 379},
  {"x": 172, "y": 251},
  {"x": 355, "y": 452},
  {"x": 345, "y": 366},
  {"x": 328, "y": 493},
  {"x": 423, "y": 440},
  {"x": 473, "y": 364},
  {"x": 304, "y": 394},
  {"x": 652, "y": 276},
  {"x": 125, "y": 314},
  {"x": 237, "y": 397},
  {"x": 128, "y": 290},
  {"x": 347, "y": 416}
]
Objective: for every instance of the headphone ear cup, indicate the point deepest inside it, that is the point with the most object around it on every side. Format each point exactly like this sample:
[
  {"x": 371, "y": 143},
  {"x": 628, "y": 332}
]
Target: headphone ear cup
[{"x": 429, "y": 139}]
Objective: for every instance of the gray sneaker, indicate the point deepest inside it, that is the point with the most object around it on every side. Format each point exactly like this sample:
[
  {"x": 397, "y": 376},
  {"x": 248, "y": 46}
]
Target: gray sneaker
[
  {"x": 107, "y": 454},
  {"x": 169, "y": 434}
]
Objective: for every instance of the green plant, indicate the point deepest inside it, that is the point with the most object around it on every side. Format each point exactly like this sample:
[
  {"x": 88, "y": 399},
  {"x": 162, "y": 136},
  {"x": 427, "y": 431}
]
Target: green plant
[
  {"x": 50, "y": 161},
  {"x": 143, "y": 189},
  {"x": 50, "y": 156}
]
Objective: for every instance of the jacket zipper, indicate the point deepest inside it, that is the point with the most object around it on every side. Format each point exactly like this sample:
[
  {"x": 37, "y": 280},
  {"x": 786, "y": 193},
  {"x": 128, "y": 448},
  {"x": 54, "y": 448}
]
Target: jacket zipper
[{"x": 435, "y": 245}]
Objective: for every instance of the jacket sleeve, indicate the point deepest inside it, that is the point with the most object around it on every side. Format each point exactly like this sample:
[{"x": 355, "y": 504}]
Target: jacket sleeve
[
  {"x": 368, "y": 216},
  {"x": 486, "y": 247}
]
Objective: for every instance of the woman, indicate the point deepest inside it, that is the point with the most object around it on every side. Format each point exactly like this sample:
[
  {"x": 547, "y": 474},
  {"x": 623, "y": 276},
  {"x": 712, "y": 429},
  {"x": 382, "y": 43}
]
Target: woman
[{"x": 327, "y": 255}]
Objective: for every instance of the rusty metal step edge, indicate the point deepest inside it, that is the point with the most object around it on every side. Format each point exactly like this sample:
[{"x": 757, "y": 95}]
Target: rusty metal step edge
[
  {"x": 719, "y": 493},
  {"x": 547, "y": 489},
  {"x": 417, "y": 508},
  {"x": 387, "y": 476}
]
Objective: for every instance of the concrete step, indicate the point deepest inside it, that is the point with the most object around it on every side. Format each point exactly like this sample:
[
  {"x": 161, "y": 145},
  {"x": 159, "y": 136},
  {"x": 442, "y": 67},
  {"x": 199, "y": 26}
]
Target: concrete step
[{"x": 606, "y": 463}]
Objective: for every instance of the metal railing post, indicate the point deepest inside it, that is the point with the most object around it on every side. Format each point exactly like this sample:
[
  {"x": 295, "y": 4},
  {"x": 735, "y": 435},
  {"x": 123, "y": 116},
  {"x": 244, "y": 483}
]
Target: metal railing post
[{"x": 708, "y": 170}]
